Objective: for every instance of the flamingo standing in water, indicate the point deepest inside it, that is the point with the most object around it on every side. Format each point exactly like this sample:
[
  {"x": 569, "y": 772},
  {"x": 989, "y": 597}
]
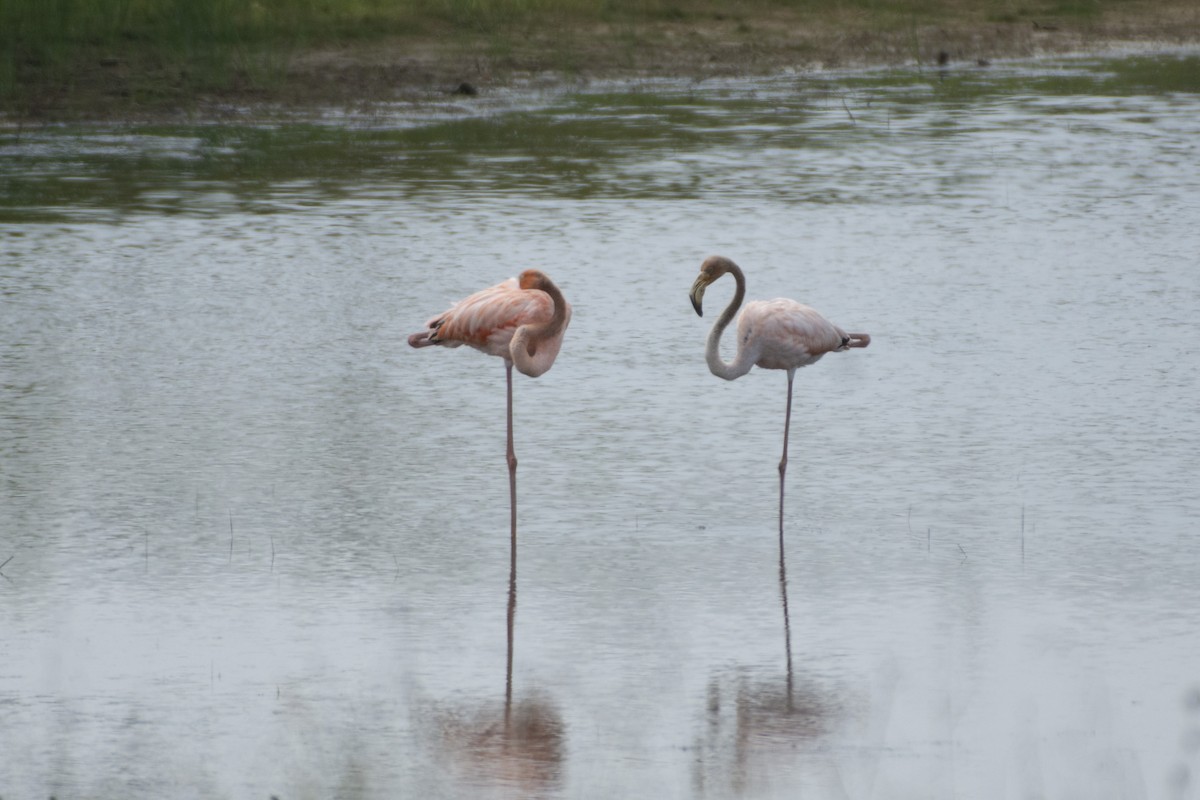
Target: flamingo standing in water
[
  {"x": 522, "y": 321},
  {"x": 773, "y": 334}
]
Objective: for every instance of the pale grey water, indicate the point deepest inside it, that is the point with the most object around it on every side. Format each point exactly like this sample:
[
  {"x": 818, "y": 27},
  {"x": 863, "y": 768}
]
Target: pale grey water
[{"x": 259, "y": 546}]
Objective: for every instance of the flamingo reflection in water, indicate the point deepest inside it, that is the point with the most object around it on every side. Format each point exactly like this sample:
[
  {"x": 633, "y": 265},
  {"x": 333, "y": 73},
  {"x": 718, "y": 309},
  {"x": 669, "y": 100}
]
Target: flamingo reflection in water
[
  {"x": 772, "y": 334},
  {"x": 518, "y": 748},
  {"x": 759, "y": 735},
  {"x": 761, "y": 727}
]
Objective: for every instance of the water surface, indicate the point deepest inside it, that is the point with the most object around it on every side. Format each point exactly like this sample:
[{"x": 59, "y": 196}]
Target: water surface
[{"x": 259, "y": 546}]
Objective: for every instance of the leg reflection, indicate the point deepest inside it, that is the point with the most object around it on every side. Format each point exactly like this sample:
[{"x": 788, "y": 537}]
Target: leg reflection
[
  {"x": 787, "y": 628},
  {"x": 520, "y": 749},
  {"x": 512, "y": 619}
]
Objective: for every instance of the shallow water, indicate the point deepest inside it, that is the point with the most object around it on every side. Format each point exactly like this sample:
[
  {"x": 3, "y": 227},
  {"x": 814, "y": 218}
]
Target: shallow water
[{"x": 257, "y": 546}]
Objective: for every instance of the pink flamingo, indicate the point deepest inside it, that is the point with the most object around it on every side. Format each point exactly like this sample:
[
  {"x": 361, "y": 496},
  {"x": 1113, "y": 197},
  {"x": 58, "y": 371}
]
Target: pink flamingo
[
  {"x": 773, "y": 334},
  {"x": 521, "y": 321}
]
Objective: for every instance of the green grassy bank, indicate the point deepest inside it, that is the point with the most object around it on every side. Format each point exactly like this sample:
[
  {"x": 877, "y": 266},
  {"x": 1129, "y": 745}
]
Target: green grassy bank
[{"x": 114, "y": 57}]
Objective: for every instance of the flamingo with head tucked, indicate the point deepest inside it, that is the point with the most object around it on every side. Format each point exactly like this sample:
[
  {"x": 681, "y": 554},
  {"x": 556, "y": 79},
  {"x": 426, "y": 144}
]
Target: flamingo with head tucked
[
  {"x": 773, "y": 334},
  {"x": 521, "y": 321}
]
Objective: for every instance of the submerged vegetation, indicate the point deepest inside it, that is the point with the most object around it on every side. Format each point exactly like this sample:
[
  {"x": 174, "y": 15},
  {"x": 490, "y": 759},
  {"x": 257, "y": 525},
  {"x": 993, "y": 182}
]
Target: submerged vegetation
[{"x": 112, "y": 57}]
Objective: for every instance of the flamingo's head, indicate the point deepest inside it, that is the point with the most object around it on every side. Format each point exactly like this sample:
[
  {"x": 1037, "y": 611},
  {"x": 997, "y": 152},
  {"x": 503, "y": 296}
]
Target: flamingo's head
[
  {"x": 712, "y": 268},
  {"x": 533, "y": 279}
]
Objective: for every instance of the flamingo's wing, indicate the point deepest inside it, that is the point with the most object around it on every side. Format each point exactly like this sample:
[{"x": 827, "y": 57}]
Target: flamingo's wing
[
  {"x": 487, "y": 319},
  {"x": 787, "y": 334}
]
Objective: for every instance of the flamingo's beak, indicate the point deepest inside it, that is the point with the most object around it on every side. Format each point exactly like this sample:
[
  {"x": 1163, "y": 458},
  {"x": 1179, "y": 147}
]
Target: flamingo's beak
[{"x": 697, "y": 293}]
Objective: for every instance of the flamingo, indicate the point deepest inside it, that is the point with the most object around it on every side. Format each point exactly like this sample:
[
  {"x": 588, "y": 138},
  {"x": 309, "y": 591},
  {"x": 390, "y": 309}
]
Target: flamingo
[
  {"x": 521, "y": 321},
  {"x": 772, "y": 334}
]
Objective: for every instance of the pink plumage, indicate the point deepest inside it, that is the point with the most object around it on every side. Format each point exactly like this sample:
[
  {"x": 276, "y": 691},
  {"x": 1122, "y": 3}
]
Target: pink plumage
[
  {"x": 521, "y": 321},
  {"x": 787, "y": 334},
  {"x": 490, "y": 319},
  {"x": 773, "y": 334}
]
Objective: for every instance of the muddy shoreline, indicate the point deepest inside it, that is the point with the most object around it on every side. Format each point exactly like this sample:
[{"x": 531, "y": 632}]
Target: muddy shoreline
[
  {"x": 411, "y": 70},
  {"x": 424, "y": 69}
]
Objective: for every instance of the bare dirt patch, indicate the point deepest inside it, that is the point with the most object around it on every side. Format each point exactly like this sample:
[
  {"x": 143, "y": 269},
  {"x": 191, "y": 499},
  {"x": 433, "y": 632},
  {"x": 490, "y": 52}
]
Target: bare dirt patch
[
  {"x": 421, "y": 68},
  {"x": 401, "y": 68}
]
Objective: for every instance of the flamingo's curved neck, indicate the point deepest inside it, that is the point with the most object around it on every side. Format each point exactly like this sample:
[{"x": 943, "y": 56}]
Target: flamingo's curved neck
[
  {"x": 744, "y": 359},
  {"x": 524, "y": 345},
  {"x": 558, "y": 321}
]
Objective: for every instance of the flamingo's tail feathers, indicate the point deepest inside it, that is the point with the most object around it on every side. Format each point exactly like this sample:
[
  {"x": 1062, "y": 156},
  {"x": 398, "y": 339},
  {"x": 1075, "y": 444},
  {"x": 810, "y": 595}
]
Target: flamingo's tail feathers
[
  {"x": 429, "y": 336},
  {"x": 422, "y": 339},
  {"x": 858, "y": 339}
]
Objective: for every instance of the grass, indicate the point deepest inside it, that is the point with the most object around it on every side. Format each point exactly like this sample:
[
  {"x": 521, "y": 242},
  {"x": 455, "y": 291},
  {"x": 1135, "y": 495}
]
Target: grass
[{"x": 112, "y": 56}]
